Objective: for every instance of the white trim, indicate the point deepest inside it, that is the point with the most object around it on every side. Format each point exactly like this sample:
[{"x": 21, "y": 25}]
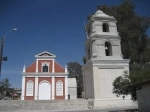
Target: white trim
[
  {"x": 52, "y": 55},
  {"x": 36, "y": 88},
  {"x": 45, "y": 59},
  {"x": 45, "y": 76},
  {"x": 36, "y": 65},
  {"x": 30, "y": 76},
  {"x": 66, "y": 87},
  {"x": 59, "y": 76},
  {"x": 53, "y": 87},
  {"x": 53, "y": 68},
  {"x": 43, "y": 73},
  {"x": 44, "y": 81},
  {"x": 23, "y": 88}
]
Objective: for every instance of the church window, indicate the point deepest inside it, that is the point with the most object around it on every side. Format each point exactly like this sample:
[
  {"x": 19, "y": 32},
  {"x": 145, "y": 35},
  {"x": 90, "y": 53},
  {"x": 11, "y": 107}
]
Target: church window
[
  {"x": 108, "y": 49},
  {"x": 29, "y": 88},
  {"x": 45, "y": 67},
  {"x": 59, "y": 88},
  {"x": 105, "y": 27}
]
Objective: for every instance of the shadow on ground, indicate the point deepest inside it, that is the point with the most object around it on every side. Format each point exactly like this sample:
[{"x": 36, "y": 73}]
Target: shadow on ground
[{"x": 129, "y": 110}]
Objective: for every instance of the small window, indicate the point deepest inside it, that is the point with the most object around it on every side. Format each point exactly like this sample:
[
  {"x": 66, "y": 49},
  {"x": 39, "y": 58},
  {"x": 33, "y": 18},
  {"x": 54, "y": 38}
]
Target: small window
[
  {"x": 45, "y": 67},
  {"x": 29, "y": 88},
  {"x": 59, "y": 88},
  {"x": 108, "y": 49},
  {"x": 105, "y": 27}
]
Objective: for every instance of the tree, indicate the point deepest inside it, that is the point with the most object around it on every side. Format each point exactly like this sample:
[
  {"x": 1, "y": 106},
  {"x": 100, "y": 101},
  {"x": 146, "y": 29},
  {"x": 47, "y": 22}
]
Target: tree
[
  {"x": 137, "y": 74},
  {"x": 4, "y": 85},
  {"x": 75, "y": 71},
  {"x": 135, "y": 45}
]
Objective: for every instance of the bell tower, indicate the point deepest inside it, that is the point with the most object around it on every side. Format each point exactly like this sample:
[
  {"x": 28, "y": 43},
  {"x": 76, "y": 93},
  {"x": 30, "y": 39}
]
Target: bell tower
[
  {"x": 103, "y": 40},
  {"x": 104, "y": 61}
]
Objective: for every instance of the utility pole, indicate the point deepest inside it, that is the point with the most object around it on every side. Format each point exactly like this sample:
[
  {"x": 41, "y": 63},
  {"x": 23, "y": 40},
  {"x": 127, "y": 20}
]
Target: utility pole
[
  {"x": 1, "y": 54},
  {"x": 1, "y": 49}
]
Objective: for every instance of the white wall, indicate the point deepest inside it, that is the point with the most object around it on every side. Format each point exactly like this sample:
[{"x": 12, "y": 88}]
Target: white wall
[
  {"x": 143, "y": 97},
  {"x": 72, "y": 88},
  {"x": 88, "y": 83}
]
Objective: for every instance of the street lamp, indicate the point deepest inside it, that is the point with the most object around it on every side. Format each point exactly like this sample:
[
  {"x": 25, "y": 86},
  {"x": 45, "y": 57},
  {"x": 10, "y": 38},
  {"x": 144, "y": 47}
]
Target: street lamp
[{"x": 1, "y": 48}]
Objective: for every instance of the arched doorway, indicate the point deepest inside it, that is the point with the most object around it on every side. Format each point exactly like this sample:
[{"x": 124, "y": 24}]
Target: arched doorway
[{"x": 44, "y": 91}]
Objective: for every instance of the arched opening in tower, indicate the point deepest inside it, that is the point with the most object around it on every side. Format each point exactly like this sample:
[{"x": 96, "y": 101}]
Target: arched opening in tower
[
  {"x": 105, "y": 27},
  {"x": 89, "y": 54},
  {"x": 108, "y": 49}
]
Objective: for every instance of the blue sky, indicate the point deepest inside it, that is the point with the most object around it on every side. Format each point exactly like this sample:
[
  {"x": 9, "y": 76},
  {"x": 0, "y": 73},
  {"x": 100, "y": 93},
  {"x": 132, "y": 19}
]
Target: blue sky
[{"x": 56, "y": 26}]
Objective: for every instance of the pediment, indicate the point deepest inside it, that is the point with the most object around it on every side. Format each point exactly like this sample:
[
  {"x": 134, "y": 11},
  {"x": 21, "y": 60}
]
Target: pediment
[{"x": 45, "y": 54}]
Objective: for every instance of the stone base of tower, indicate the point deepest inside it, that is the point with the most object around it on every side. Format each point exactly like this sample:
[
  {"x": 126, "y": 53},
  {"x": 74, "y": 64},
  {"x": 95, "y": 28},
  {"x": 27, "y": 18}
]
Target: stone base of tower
[{"x": 112, "y": 103}]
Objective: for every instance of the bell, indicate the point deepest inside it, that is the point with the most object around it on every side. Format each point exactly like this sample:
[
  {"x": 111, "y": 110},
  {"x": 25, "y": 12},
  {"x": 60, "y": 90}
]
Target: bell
[{"x": 106, "y": 48}]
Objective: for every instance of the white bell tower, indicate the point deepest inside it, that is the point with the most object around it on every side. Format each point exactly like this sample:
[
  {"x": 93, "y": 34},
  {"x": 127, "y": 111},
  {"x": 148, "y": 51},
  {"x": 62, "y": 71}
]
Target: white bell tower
[{"x": 104, "y": 62}]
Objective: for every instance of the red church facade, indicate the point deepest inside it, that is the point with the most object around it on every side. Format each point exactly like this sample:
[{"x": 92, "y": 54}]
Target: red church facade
[{"x": 44, "y": 79}]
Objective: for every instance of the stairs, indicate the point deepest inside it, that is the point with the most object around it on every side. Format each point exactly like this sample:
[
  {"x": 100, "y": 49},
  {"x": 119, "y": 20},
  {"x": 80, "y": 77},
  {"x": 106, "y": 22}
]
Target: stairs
[{"x": 42, "y": 105}]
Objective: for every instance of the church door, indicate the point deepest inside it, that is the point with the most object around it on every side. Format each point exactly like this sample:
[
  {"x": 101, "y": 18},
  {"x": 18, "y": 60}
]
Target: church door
[{"x": 44, "y": 91}]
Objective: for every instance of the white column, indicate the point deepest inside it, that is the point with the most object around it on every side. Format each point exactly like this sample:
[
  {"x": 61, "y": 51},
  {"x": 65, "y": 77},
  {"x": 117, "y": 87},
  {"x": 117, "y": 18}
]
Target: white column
[
  {"x": 53, "y": 68},
  {"x": 66, "y": 87},
  {"x": 23, "y": 88},
  {"x": 36, "y": 65},
  {"x": 36, "y": 88},
  {"x": 53, "y": 87}
]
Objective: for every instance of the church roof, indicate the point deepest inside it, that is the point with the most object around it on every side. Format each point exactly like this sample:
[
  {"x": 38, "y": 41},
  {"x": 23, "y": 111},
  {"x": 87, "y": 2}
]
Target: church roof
[
  {"x": 101, "y": 14},
  {"x": 45, "y": 54}
]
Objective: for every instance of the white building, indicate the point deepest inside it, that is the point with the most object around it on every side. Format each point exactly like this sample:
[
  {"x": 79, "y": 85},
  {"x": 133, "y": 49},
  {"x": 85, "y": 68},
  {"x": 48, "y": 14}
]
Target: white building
[{"x": 104, "y": 62}]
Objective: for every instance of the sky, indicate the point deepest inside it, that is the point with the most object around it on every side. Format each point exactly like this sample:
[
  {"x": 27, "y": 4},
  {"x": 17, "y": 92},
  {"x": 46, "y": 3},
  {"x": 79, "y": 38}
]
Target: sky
[{"x": 56, "y": 26}]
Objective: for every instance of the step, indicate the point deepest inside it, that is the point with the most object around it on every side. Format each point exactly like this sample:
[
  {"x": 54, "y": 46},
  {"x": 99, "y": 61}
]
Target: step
[{"x": 22, "y": 105}]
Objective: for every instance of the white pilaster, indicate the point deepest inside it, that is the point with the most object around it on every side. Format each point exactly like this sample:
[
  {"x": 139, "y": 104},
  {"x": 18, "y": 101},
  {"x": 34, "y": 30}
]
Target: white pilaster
[
  {"x": 36, "y": 89},
  {"x": 53, "y": 68},
  {"x": 24, "y": 68},
  {"x": 66, "y": 87},
  {"x": 23, "y": 88},
  {"x": 53, "y": 88},
  {"x": 36, "y": 65},
  {"x": 66, "y": 69}
]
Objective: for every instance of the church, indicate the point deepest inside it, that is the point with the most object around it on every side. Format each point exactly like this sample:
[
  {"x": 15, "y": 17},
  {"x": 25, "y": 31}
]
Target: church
[{"x": 45, "y": 79}]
